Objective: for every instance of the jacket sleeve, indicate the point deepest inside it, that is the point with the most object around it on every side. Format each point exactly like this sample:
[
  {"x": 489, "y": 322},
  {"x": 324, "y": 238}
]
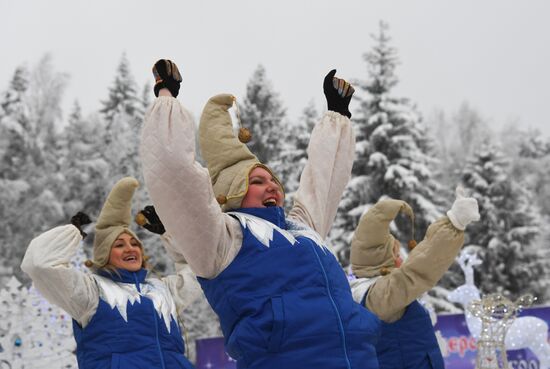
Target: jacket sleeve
[
  {"x": 183, "y": 285},
  {"x": 330, "y": 152},
  {"x": 47, "y": 262},
  {"x": 182, "y": 192},
  {"x": 427, "y": 262}
]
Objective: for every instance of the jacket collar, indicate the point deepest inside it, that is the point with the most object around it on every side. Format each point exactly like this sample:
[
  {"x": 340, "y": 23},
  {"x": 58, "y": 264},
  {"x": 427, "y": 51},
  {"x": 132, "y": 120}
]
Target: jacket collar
[
  {"x": 125, "y": 276},
  {"x": 274, "y": 214}
]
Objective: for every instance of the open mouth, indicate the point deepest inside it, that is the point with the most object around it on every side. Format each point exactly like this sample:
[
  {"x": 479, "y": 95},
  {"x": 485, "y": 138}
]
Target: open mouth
[
  {"x": 130, "y": 258},
  {"x": 270, "y": 202}
]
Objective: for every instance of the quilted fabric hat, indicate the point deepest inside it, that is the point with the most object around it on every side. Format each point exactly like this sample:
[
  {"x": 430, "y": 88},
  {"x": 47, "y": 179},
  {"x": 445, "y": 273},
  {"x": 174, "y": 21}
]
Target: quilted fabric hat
[
  {"x": 115, "y": 218},
  {"x": 372, "y": 243},
  {"x": 229, "y": 161}
]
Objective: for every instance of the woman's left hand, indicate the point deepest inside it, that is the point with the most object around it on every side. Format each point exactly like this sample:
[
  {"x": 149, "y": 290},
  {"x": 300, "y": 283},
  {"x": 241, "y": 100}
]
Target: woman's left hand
[
  {"x": 80, "y": 219},
  {"x": 153, "y": 223}
]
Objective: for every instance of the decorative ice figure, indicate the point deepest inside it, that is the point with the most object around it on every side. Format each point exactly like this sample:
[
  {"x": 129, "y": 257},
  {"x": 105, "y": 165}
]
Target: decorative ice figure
[
  {"x": 527, "y": 332},
  {"x": 497, "y": 314}
]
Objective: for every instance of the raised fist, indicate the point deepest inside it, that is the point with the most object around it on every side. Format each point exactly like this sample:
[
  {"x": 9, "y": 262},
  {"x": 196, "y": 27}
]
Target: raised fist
[
  {"x": 338, "y": 93},
  {"x": 80, "y": 219},
  {"x": 464, "y": 210},
  {"x": 152, "y": 221}
]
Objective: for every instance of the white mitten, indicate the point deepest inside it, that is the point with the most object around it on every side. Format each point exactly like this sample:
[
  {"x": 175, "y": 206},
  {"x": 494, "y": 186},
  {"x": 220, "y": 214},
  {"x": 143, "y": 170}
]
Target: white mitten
[{"x": 464, "y": 210}]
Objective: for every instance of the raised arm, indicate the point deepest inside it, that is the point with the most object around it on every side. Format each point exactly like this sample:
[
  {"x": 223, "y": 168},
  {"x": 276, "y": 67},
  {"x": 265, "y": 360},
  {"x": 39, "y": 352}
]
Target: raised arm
[
  {"x": 331, "y": 153},
  {"x": 47, "y": 262},
  {"x": 427, "y": 262},
  {"x": 180, "y": 187}
]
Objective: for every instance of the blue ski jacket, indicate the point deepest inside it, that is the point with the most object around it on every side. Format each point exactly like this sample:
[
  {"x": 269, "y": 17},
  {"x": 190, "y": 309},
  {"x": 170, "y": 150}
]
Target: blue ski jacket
[{"x": 286, "y": 302}]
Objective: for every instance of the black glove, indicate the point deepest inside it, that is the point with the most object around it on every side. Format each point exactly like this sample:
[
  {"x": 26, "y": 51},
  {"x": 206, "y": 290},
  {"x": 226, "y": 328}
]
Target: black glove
[
  {"x": 338, "y": 93},
  {"x": 153, "y": 221},
  {"x": 166, "y": 75},
  {"x": 80, "y": 219}
]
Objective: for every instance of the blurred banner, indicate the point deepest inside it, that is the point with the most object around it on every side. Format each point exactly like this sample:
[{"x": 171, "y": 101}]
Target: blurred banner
[{"x": 459, "y": 348}]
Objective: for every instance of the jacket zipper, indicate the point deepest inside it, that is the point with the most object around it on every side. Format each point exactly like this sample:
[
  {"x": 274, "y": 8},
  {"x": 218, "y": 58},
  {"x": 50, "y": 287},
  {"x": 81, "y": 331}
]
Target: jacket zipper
[
  {"x": 156, "y": 326},
  {"x": 340, "y": 324}
]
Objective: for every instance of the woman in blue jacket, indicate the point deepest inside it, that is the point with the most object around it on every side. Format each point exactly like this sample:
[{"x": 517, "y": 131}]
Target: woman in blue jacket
[
  {"x": 122, "y": 317},
  {"x": 282, "y": 298}
]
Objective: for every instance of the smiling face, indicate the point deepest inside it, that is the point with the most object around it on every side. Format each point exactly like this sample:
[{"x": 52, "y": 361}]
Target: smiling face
[
  {"x": 263, "y": 190},
  {"x": 126, "y": 253}
]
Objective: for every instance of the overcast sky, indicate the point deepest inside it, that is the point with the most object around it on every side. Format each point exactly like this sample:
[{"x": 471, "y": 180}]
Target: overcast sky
[{"x": 495, "y": 54}]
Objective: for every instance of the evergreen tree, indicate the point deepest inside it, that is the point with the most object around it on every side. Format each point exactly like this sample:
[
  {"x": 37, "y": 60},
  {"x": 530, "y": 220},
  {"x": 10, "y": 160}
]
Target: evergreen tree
[
  {"x": 534, "y": 146},
  {"x": 393, "y": 153},
  {"x": 529, "y": 152},
  {"x": 45, "y": 97},
  {"x": 122, "y": 93},
  {"x": 513, "y": 260},
  {"x": 14, "y": 127},
  {"x": 262, "y": 112},
  {"x": 31, "y": 184},
  {"x": 123, "y": 113},
  {"x": 83, "y": 164}
]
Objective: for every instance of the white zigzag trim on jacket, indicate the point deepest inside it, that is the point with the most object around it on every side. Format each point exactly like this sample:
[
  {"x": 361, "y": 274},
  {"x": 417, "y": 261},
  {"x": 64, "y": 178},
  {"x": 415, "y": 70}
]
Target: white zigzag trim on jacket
[
  {"x": 300, "y": 229},
  {"x": 119, "y": 294},
  {"x": 263, "y": 230}
]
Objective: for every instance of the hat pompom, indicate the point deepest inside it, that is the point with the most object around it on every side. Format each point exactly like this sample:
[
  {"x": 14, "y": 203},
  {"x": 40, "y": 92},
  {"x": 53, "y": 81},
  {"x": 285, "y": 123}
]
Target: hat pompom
[
  {"x": 244, "y": 135},
  {"x": 221, "y": 199},
  {"x": 411, "y": 244},
  {"x": 140, "y": 219}
]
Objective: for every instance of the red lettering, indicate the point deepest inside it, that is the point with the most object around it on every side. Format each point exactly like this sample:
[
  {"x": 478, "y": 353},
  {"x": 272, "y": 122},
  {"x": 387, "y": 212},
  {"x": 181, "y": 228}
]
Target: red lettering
[{"x": 461, "y": 345}]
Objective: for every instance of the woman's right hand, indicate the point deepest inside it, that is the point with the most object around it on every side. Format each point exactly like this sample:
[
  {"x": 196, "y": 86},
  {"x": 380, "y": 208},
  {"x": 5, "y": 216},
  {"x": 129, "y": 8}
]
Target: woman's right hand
[{"x": 167, "y": 76}]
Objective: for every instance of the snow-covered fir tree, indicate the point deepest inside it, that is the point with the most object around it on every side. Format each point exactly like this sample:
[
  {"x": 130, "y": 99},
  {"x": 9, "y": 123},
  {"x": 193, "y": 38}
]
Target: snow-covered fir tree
[
  {"x": 262, "y": 112},
  {"x": 83, "y": 164},
  {"x": 14, "y": 157},
  {"x": 534, "y": 146},
  {"x": 393, "y": 152},
  {"x": 32, "y": 182},
  {"x": 513, "y": 260},
  {"x": 14, "y": 126},
  {"x": 123, "y": 112},
  {"x": 123, "y": 93},
  {"x": 529, "y": 153}
]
